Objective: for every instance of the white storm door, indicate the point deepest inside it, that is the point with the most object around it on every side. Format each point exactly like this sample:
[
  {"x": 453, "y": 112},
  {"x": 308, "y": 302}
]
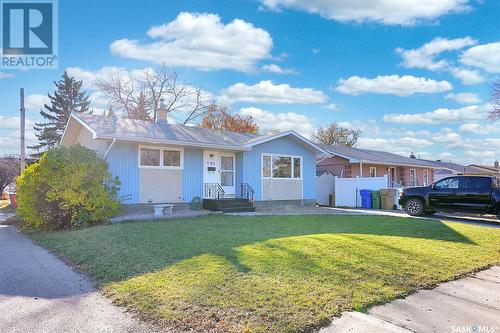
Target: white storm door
[
  {"x": 227, "y": 174},
  {"x": 211, "y": 170}
]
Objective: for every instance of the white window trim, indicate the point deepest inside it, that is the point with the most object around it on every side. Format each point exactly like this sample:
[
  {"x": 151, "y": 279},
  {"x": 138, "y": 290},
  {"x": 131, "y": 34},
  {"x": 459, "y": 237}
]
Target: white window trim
[
  {"x": 281, "y": 155},
  {"x": 425, "y": 177},
  {"x": 370, "y": 172},
  {"x": 161, "y": 166}
]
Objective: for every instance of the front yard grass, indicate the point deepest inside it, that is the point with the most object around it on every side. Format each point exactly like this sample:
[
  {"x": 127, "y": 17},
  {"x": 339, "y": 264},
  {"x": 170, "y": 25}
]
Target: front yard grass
[{"x": 270, "y": 274}]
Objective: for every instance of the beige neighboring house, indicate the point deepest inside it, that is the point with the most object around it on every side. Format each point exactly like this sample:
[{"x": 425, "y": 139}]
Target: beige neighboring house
[{"x": 493, "y": 170}]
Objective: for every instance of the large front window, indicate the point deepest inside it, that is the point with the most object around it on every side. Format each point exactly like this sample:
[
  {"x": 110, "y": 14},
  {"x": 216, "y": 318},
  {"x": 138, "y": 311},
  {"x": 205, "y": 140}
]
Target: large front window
[
  {"x": 152, "y": 157},
  {"x": 281, "y": 166}
]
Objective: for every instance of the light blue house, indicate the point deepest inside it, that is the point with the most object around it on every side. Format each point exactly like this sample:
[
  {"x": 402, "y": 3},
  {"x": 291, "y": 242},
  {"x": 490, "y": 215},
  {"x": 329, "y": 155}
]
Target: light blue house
[{"x": 170, "y": 163}]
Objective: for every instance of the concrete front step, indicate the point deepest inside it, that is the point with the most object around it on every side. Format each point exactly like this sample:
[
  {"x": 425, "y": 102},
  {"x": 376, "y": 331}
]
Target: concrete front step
[{"x": 228, "y": 205}]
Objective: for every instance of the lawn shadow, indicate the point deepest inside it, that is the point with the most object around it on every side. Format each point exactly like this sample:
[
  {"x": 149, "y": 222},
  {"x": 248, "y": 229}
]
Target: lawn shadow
[{"x": 133, "y": 249}]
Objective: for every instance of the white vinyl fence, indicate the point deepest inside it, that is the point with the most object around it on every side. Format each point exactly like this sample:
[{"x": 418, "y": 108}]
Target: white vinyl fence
[{"x": 347, "y": 189}]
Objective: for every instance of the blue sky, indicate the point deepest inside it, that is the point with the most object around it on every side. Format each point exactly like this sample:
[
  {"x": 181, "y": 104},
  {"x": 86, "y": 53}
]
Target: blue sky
[{"x": 412, "y": 75}]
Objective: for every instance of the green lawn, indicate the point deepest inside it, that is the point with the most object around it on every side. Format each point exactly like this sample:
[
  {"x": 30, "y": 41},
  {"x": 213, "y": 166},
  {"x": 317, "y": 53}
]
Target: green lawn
[{"x": 270, "y": 274}]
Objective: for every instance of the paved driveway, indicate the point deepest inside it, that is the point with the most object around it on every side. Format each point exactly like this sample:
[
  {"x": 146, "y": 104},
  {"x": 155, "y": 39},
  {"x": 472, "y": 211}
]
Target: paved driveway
[{"x": 39, "y": 293}]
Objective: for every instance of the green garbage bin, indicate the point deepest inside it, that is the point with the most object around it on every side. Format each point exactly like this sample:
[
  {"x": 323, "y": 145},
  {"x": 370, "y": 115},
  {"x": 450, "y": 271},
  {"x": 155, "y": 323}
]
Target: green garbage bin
[{"x": 375, "y": 199}]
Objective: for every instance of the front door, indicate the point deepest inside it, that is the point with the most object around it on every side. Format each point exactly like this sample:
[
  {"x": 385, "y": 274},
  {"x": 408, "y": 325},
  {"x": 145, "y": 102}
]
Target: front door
[
  {"x": 227, "y": 174},
  {"x": 219, "y": 168},
  {"x": 392, "y": 177},
  {"x": 211, "y": 169}
]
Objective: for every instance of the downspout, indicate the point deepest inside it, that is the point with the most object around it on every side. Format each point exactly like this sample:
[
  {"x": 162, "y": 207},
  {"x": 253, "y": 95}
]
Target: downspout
[
  {"x": 109, "y": 148},
  {"x": 360, "y": 169}
]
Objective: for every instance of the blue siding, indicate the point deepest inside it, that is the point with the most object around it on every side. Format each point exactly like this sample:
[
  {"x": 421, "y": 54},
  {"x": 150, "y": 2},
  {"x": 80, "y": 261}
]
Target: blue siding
[
  {"x": 122, "y": 160},
  {"x": 252, "y": 172},
  {"x": 192, "y": 176}
]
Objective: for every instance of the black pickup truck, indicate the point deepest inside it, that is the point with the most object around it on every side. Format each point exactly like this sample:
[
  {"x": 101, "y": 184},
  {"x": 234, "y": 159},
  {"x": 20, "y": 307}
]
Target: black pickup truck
[{"x": 474, "y": 194}]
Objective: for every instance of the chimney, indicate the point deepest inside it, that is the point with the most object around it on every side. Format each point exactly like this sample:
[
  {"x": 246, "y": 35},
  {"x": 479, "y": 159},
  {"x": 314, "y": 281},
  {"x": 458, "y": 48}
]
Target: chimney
[
  {"x": 161, "y": 117},
  {"x": 412, "y": 155},
  {"x": 496, "y": 164}
]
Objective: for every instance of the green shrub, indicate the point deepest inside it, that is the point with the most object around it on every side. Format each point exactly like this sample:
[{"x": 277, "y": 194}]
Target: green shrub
[
  {"x": 196, "y": 203},
  {"x": 69, "y": 187}
]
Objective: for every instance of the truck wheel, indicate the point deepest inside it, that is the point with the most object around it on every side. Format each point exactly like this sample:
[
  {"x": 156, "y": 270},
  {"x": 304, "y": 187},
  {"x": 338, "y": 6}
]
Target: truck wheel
[{"x": 414, "y": 207}]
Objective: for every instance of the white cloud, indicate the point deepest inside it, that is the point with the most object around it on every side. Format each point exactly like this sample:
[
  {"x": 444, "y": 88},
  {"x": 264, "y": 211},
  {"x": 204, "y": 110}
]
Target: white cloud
[
  {"x": 483, "y": 56},
  {"x": 90, "y": 77},
  {"x": 401, "y": 145},
  {"x": 482, "y": 154},
  {"x": 4, "y": 75},
  {"x": 10, "y": 134},
  {"x": 280, "y": 121},
  {"x": 442, "y": 115},
  {"x": 200, "y": 41},
  {"x": 447, "y": 136},
  {"x": 424, "y": 56},
  {"x": 464, "y": 98},
  {"x": 268, "y": 93},
  {"x": 35, "y": 102},
  {"x": 273, "y": 68},
  {"x": 402, "y": 12},
  {"x": 480, "y": 129},
  {"x": 467, "y": 76},
  {"x": 405, "y": 85},
  {"x": 367, "y": 127},
  {"x": 332, "y": 107},
  {"x": 406, "y": 132}
]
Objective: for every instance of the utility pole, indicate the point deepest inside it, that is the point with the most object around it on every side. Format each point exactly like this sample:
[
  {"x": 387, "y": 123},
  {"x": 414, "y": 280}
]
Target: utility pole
[{"x": 23, "y": 124}]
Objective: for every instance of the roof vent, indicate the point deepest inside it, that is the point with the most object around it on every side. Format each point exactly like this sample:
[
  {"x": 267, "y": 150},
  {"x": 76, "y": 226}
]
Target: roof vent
[
  {"x": 412, "y": 155},
  {"x": 438, "y": 161}
]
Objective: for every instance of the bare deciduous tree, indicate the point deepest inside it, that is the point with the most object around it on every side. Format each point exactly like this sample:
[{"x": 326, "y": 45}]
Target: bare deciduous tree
[
  {"x": 9, "y": 169},
  {"x": 333, "y": 134},
  {"x": 149, "y": 90},
  {"x": 495, "y": 99}
]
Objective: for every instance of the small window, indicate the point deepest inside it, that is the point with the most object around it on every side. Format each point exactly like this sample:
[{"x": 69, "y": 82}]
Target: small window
[
  {"x": 282, "y": 167},
  {"x": 150, "y": 157},
  {"x": 266, "y": 166},
  {"x": 348, "y": 171},
  {"x": 296, "y": 167},
  {"x": 373, "y": 172},
  {"x": 171, "y": 158}
]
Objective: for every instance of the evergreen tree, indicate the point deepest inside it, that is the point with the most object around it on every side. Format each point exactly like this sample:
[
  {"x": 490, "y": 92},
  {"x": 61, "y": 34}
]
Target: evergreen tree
[
  {"x": 140, "y": 110},
  {"x": 67, "y": 98}
]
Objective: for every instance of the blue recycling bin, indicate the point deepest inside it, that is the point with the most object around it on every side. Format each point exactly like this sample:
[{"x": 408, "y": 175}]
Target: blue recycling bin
[{"x": 366, "y": 198}]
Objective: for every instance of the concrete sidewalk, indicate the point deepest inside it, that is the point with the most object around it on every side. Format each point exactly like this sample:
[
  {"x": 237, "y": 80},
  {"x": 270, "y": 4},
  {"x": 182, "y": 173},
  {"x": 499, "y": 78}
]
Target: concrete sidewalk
[
  {"x": 470, "y": 304},
  {"x": 40, "y": 293}
]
